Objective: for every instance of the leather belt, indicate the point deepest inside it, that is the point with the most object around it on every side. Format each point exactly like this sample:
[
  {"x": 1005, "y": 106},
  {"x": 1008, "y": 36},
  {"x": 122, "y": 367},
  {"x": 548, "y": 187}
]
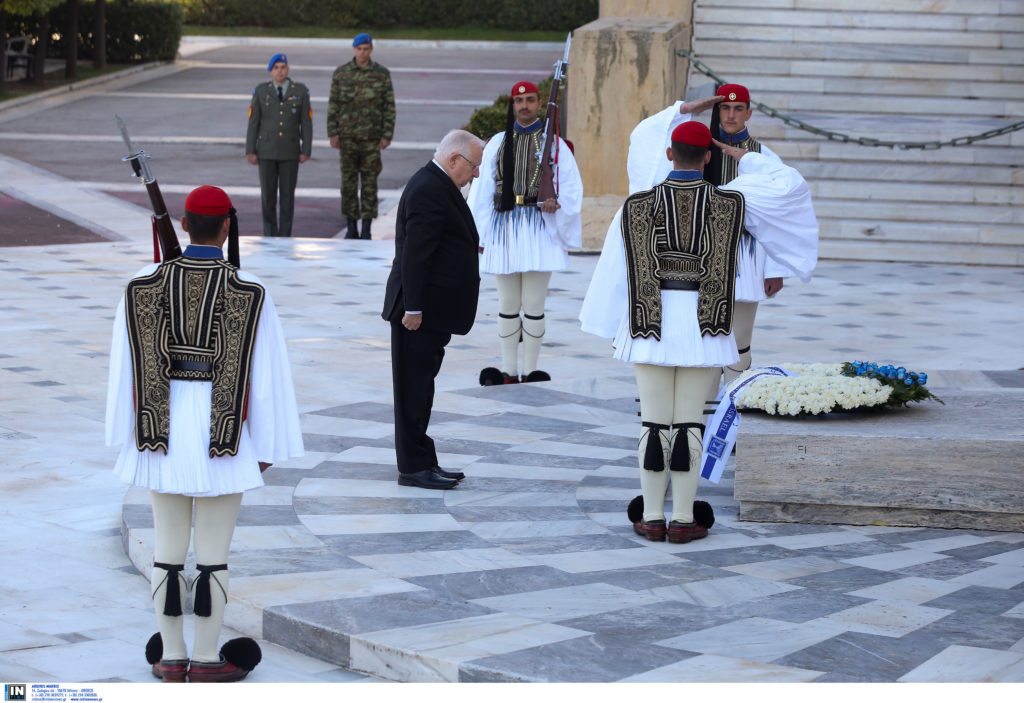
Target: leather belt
[
  {"x": 680, "y": 285},
  {"x": 184, "y": 365},
  {"x": 521, "y": 200}
]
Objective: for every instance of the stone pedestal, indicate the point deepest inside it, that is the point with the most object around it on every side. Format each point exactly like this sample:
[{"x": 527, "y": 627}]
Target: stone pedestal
[
  {"x": 622, "y": 68},
  {"x": 958, "y": 465}
]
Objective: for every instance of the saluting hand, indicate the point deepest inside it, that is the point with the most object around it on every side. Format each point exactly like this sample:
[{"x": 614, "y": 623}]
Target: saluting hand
[
  {"x": 733, "y": 151},
  {"x": 698, "y": 106}
]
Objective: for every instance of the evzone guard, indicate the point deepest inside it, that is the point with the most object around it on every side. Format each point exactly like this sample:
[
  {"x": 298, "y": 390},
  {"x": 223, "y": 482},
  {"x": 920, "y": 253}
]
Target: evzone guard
[
  {"x": 525, "y": 228},
  {"x": 200, "y": 400},
  {"x": 663, "y": 290}
]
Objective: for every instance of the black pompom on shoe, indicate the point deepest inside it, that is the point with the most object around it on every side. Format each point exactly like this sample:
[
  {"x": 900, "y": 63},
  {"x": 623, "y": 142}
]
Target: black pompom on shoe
[
  {"x": 243, "y": 652},
  {"x": 154, "y": 648},
  {"x": 635, "y": 511},
  {"x": 703, "y": 515},
  {"x": 535, "y": 376},
  {"x": 491, "y": 377}
]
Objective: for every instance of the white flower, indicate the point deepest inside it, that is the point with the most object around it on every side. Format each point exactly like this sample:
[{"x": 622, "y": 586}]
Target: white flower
[{"x": 818, "y": 388}]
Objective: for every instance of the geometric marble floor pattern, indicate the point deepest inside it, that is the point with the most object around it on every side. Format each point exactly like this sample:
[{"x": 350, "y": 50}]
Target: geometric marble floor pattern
[{"x": 529, "y": 570}]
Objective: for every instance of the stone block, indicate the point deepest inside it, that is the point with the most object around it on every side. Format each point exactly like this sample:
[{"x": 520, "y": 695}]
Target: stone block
[
  {"x": 957, "y": 465},
  {"x": 621, "y": 70}
]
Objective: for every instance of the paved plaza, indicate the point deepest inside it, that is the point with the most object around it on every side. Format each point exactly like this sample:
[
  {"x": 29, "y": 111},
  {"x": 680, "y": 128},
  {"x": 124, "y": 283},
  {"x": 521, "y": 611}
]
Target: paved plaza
[{"x": 529, "y": 570}]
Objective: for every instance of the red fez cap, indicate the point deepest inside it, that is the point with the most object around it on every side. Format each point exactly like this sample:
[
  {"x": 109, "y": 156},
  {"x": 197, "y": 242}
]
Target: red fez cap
[
  {"x": 692, "y": 133},
  {"x": 208, "y": 200},
  {"x": 734, "y": 93},
  {"x": 523, "y": 87}
]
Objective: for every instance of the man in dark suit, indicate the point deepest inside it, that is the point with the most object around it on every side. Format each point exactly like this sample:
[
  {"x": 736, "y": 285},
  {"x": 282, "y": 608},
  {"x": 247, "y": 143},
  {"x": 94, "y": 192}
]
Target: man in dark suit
[{"x": 431, "y": 294}]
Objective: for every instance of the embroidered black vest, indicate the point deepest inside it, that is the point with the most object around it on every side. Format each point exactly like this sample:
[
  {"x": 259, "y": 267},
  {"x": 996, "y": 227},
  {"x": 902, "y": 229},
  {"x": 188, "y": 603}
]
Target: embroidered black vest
[
  {"x": 192, "y": 320},
  {"x": 526, "y": 180},
  {"x": 681, "y": 231}
]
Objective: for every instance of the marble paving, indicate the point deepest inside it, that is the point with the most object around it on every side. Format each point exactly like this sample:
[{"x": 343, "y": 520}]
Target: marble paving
[{"x": 528, "y": 571}]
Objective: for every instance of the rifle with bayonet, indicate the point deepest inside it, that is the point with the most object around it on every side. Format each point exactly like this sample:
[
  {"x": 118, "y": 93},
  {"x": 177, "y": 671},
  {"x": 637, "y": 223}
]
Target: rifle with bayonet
[
  {"x": 548, "y": 154},
  {"x": 163, "y": 229}
]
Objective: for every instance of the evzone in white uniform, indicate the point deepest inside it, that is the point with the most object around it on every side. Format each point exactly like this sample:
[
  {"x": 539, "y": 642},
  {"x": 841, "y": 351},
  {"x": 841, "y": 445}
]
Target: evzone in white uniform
[
  {"x": 676, "y": 368},
  {"x": 170, "y": 357},
  {"x": 524, "y": 241}
]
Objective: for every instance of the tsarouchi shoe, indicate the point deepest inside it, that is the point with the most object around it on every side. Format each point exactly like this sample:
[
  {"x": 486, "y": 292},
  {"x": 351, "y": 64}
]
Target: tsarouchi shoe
[
  {"x": 682, "y": 532},
  {"x": 653, "y": 530},
  {"x": 171, "y": 670}
]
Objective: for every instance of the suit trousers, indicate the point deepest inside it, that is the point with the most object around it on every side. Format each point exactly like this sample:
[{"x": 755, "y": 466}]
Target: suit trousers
[
  {"x": 416, "y": 358},
  {"x": 275, "y": 174}
]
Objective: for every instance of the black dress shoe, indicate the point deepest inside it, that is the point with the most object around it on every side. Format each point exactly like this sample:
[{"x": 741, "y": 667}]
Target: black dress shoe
[
  {"x": 425, "y": 479},
  {"x": 457, "y": 475}
]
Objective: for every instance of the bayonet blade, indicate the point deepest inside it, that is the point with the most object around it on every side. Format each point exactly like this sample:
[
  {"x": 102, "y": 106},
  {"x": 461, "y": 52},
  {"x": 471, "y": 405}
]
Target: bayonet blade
[{"x": 124, "y": 134}]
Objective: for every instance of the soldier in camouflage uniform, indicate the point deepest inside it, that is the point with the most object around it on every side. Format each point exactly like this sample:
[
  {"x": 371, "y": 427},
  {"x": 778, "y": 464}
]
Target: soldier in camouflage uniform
[
  {"x": 279, "y": 138},
  {"x": 360, "y": 122}
]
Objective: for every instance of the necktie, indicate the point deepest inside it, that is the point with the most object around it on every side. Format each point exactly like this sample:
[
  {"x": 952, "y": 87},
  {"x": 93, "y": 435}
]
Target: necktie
[{"x": 280, "y": 93}]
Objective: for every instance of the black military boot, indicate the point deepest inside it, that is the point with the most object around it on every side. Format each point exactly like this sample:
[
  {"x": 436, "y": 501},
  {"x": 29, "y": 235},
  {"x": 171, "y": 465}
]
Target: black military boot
[
  {"x": 366, "y": 228},
  {"x": 352, "y": 232}
]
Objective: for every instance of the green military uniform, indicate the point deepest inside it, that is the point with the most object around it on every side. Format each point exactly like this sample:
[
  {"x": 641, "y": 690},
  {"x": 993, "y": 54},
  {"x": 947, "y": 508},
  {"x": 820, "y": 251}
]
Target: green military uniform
[
  {"x": 280, "y": 128},
  {"x": 360, "y": 112}
]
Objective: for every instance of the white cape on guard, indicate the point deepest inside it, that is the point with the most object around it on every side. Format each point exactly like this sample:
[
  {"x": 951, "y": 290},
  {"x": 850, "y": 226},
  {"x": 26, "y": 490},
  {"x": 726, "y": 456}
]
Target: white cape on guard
[{"x": 720, "y": 435}]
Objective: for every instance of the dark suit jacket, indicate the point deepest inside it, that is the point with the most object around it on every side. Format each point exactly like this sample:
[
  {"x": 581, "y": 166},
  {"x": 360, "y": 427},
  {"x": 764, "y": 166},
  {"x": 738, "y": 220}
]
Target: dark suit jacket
[{"x": 436, "y": 268}]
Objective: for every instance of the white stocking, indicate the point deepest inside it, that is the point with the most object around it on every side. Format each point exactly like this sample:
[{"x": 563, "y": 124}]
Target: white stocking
[
  {"x": 215, "y": 525},
  {"x": 510, "y": 325},
  {"x": 172, "y": 526},
  {"x": 534, "y": 294},
  {"x": 690, "y": 390},
  {"x": 743, "y": 315},
  {"x": 654, "y": 384}
]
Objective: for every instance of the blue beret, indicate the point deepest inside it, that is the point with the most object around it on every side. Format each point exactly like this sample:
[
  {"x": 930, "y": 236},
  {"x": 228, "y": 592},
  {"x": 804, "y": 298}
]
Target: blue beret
[
  {"x": 363, "y": 38},
  {"x": 276, "y": 58}
]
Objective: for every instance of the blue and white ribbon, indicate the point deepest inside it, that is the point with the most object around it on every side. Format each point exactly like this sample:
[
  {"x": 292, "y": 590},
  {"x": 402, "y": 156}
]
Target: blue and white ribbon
[{"x": 720, "y": 435}]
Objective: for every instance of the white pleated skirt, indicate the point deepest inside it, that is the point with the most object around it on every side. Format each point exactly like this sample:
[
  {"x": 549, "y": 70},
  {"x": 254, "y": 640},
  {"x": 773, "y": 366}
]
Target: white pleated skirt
[
  {"x": 750, "y": 274},
  {"x": 519, "y": 241},
  {"x": 681, "y": 342},
  {"x": 187, "y": 468}
]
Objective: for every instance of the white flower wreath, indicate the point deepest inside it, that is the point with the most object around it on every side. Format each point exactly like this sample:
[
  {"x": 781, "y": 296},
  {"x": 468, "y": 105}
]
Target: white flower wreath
[{"x": 816, "y": 389}]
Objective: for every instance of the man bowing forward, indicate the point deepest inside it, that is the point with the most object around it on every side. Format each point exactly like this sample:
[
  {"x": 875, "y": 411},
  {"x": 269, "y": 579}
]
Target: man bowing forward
[{"x": 431, "y": 294}]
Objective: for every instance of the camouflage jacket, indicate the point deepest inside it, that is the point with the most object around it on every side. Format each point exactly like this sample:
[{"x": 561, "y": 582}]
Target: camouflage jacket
[{"x": 362, "y": 102}]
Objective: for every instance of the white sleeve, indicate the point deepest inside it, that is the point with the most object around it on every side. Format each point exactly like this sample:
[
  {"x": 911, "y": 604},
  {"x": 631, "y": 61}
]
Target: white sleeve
[
  {"x": 607, "y": 299},
  {"x": 481, "y": 194},
  {"x": 120, "y": 416},
  {"x": 779, "y": 213},
  {"x": 119, "y": 424},
  {"x": 646, "y": 163},
  {"x": 567, "y": 221},
  {"x": 272, "y": 415}
]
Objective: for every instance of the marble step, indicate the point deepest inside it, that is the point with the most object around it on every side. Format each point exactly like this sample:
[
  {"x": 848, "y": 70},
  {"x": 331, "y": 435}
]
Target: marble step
[
  {"x": 916, "y": 21},
  {"x": 949, "y": 176},
  {"x": 898, "y": 251},
  {"x": 963, "y": 7},
  {"x": 1009, "y": 108},
  {"x": 888, "y": 231},
  {"x": 828, "y": 86},
  {"x": 903, "y": 71},
  {"x": 919, "y": 193},
  {"x": 792, "y": 146},
  {"x": 707, "y": 48},
  {"x": 828, "y": 35},
  {"x": 857, "y": 208}
]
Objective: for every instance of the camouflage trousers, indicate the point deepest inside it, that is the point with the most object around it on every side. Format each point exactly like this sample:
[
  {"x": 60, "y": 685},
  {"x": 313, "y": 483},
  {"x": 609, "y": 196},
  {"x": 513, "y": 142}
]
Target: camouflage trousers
[{"x": 360, "y": 164}]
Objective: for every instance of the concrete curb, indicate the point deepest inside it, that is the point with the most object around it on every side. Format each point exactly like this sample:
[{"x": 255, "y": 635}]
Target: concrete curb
[
  {"x": 346, "y": 43},
  {"x": 80, "y": 85}
]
